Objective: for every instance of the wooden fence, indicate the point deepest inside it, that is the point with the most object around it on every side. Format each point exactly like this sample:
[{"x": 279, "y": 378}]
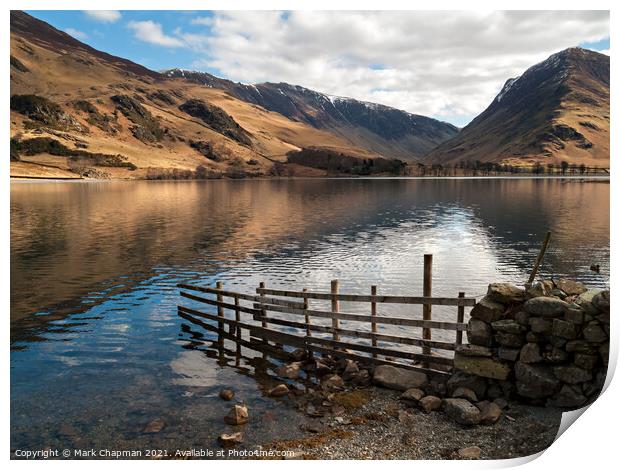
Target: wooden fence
[{"x": 268, "y": 309}]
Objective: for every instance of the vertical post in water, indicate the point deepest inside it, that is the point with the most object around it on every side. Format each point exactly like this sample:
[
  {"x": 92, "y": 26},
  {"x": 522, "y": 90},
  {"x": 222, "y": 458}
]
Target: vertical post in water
[
  {"x": 263, "y": 311},
  {"x": 335, "y": 309},
  {"x": 220, "y": 313},
  {"x": 460, "y": 318},
  {"x": 427, "y": 309},
  {"x": 238, "y": 332},
  {"x": 373, "y": 313},
  {"x": 307, "y": 317},
  {"x": 539, "y": 258}
]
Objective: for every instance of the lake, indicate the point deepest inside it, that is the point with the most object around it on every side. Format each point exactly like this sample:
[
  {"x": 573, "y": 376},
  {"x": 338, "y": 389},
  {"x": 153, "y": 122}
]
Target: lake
[{"x": 97, "y": 348}]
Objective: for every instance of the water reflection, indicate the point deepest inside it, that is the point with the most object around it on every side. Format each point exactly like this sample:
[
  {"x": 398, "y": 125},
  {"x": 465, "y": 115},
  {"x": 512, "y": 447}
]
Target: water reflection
[{"x": 94, "y": 268}]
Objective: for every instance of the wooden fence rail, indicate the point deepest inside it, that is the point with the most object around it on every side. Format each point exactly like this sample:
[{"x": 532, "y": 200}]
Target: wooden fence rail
[{"x": 291, "y": 309}]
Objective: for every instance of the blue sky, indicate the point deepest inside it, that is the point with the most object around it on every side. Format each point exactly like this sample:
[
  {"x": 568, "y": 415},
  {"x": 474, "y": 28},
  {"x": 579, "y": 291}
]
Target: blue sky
[{"x": 447, "y": 65}]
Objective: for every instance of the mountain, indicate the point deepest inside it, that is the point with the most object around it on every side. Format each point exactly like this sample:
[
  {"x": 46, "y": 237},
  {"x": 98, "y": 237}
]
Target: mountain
[
  {"x": 557, "y": 110},
  {"x": 79, "y": 112},
  {"x": 372, "y": 126}
]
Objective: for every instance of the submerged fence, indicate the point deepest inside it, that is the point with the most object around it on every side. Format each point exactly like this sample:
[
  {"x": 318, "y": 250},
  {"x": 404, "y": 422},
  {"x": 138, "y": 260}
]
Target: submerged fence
[{"x": 261, "y": 314}]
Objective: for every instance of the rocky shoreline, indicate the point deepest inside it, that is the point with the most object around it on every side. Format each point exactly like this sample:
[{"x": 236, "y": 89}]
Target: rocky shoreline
[{"x": 531, "y": 354}]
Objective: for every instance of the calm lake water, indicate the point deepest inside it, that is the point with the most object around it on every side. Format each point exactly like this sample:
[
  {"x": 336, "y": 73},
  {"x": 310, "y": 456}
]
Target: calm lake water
[{"x": 97, "y": 348}]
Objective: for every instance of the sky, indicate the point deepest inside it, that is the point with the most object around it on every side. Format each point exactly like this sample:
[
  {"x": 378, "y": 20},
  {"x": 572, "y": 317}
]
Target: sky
[{"x": 448, "y": 65}]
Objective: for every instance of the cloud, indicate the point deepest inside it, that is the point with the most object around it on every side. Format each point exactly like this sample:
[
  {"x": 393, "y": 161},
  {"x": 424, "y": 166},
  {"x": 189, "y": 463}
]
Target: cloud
[
  {"x": 202, "y": 20},
  {"x": 103, "y": 16},
  {"x": 76, "y": 33},
  {"x": 448, "y": 65},
  {"x": 151, "y": 32}
]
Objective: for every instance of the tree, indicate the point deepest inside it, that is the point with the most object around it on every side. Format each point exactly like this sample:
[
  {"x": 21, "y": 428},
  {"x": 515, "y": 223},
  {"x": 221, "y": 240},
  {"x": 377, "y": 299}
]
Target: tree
[{"x": 564, "y": 166}]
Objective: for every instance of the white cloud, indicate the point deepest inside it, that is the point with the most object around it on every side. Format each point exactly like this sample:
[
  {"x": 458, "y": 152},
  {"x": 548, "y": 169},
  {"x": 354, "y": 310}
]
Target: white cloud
[
  {"x": 104, "y": 16},
  {"x": 77, "y": 34},
  {"x": 151, "y": 32},
  {"x": 202, "y": 20},
  {"x": 449, "y": 65}
]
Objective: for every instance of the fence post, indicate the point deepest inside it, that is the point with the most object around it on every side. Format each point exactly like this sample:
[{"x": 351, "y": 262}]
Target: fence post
[
  {"x": 263, "y": 311},
  {"x": 307, "y": 317},
  {"x": 238, "y": 332},
  {"x": 220, "y": 312},
  {"x": 427, "y": 309},
  {"x": 460, "y": 318},
  {"x": 373, "y": 313},
  {"x": 335, "y": 308},
  {"x": 539, "y": 259}
]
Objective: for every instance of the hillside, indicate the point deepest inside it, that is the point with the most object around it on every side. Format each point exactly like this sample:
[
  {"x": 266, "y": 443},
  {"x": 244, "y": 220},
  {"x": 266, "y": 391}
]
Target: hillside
[
  {"x": 558, "y": 110},
  {"x": 372, "y": 126},
  {"x": 79, "y": 112}
]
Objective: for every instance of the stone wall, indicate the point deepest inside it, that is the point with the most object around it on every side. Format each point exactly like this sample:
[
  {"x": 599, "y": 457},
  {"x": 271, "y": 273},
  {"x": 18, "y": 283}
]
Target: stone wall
[{"x": 548, "y": 344}]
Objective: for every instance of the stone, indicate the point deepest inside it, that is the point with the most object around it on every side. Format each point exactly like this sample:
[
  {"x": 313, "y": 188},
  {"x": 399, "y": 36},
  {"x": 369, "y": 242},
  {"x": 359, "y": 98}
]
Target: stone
[
  {"x": 546, "y": 307},
  {"x": 585, "y": 301},
  {"x": 602, "y": 301},
  {"x": 479, "y": 333},
  {"x": 572, "y": 374},
  {"x": 530, "y": 353},
  {"x": 350, "y": 371},
  {"x": 470, "y": 453},
  {"x": 473, "y": 382},
  {"x": 487, "y": 310},
  {"x": 154, "y": 426},
  {"x": 299, "y": 354},
  {"x": 522, "y": 318},
  {"x": 489, "y": 412},
  {"x": 581, "y": 346},
  {"x": 535, "y": 381},
  {"x": 474, "y": 350},
  {"x": 509, "y": 340},
  {"x": 555, "y": 355},
  {"x": 593, "y": 333},
  {"x": 508, "y": 354},
  {"x": 333, "y": 383},
  {"x": 559, "y": 293},
  {"x": 321, "y": 369},
  {"x": 557, "y": 342},
  {"x": 537, "y": 289},
  {"x": 501, "y": 403},
  {"x": 569, "y": 397},
  {"x": 604, "y": 352},
  {"x": 506, "y": 293},
  {"x": 482, "y": 366},
  {"x": 278, "y": 391},
  {"x": 467, "y": 393},
  {"x": 574, "y": 315},
  {"x": 507, "y": 326},
  {"x": 237, "y": 415},
  {"x": 226, "y": 394},
  {"x": 289, "y": 371},
  {"x": 540, "y": 325},
  {"x": 430, "y": 403},
  {"x": 494, "y": 391},
  {"x": 603, "y": 318},
  {"x": 570, "y": 287},
  {"x": 532, "y": 337},
  {"x": 230, "y": 440},
  {"x": 586, "y": 361},
  {"x": 564, "y": 329},
  {"x": 362, "y": 378},
  {"x": 461, "y": 411},
  {"x": 412, "y": 395},
  {"x": 398, "y": 379}
]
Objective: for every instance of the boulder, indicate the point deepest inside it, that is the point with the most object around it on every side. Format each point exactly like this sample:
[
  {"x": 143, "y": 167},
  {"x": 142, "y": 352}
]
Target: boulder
[
  {"x": 574, "y": 315},
  {"x": 535, "y": 381},
  {"x": 482, "y": 366},
  {"x": 470, "y": 453},
  {"x": 559, "y": 293},
  {"x": 564, "y": 329},
  {"x": 489, "y": 412},
  {"x": 586, "y": 361},
  {"x": 508, "y": 354},
  {"x": 398, "y": 379},
  {"x": 593, "y": 333},
  {"x": 585, "y": 301},
  {"x": 532, "y": 337},
  {"x": 537, "y": 289},
  {"x": 569, "y": 396},
  {"x": 362, "y": 378},
  {"x": 509, "y": 340},
  {"x": 237, "y": 415},
  {"x": 226, "y": 394},
  {"x": 570, "y": 287},
  {"x": 474, "y": 350},
  {"x": 479, "y": 333},
  {"x": 463, "y": 392},
  {"x": 602, "y": 301},
  {"x": 473, "y": 382},
  {"x": 333, "y": 383},
  {"x": 430, "y": 403},
  {"x": 581, "y": 346},
  {"x": 540, "y": 325},
  {"x": 351, "y": 370},
  {"x": 604, "y": 352},
  {"x": 507, "y": 326},
  {"x": 506, "y": 293},
  {"x": 289, "y": 371},
  {"x": 572, "y": 374},
  {"x": 555, "y": 355},
  {"x": 461, "y": 411},
  {"x": 546, "y": 307},
  {"x": 299, "y": 354},
  {"x": 530, "y": 353},
  {"x": 278, "y": 391},
  {"x": 522, "y": 318},
  {"x": 230, "y": 440},
  {"x": 413, "y": 395},
  {"x": 487, "y": 310}
]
